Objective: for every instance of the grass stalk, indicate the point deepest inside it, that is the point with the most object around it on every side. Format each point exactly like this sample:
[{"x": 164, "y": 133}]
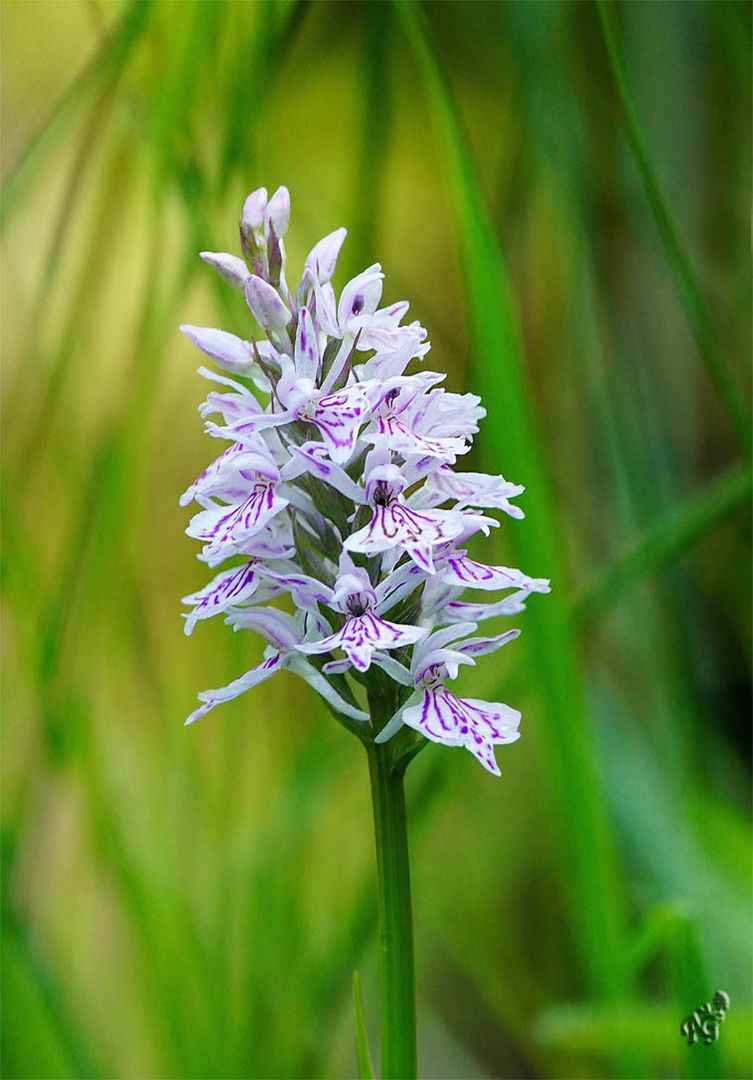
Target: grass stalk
[
  {"x": 596, "y": 903},
  {"x": 666, "y": 540},
  {"x": 690, "y": 293}
]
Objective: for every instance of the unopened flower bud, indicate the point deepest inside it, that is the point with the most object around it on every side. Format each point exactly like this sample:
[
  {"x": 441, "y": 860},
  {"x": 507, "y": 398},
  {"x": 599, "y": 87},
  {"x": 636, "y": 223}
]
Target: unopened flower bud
[
  {"x": 230, "y": 268},
  {"x": 277, "y": 213},
  {"x": 266, "y": 306}
]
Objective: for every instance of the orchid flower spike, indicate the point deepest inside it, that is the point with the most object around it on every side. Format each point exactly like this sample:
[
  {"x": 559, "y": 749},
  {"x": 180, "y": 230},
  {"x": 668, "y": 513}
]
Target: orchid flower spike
[{"x": 339, "y": 492}]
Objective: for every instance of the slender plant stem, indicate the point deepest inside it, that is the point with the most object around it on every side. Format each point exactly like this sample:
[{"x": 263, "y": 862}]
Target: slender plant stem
[{"x": 396, "y": 964}]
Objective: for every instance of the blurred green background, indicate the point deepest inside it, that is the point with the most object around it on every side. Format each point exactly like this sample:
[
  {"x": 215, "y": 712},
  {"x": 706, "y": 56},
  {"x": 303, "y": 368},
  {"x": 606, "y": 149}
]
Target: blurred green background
[{"x": 562, "y": 191}]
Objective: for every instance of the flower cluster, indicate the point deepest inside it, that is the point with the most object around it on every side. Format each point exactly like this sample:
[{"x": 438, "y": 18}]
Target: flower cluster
[{"x": 338, "y": 497}]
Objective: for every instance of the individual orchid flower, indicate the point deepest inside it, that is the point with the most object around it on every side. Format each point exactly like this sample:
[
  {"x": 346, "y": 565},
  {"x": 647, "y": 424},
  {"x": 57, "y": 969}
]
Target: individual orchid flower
[
  {"x": 395, "y": 525},
  {"x": 337, "y": 416},
  {"x": 359, "y": 300},
  {"x": 395, "y": 424},
  {"x": 364, "y": 631},
  {"x": 443, "y": 717},
  {"x": 250, "y": 487}
]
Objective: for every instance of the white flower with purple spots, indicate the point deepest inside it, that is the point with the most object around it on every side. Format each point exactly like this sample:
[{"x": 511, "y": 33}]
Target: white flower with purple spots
[
  {"x": 340, "y": 492},
  {"x": 363, "y": 631},
  {"x": 394, "y": 524},
  {"x": 442, "y": 716}
]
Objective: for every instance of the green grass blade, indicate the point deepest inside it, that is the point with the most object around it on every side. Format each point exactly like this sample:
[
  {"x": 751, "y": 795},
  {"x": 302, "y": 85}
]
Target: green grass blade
[
  {"x": 573, "y": 1032},
  {"x": 677, "y": 257},
  {"x": 365, "y": 1068},
  {"x": 34, "y": 1003},
  {"x": 667, "y": 540},
  {"x": 106, "y": 65},
  {"x": 692, "y": 989},
  {"x": 374, "y": 129},
  {"x": 595, "y": 902}
]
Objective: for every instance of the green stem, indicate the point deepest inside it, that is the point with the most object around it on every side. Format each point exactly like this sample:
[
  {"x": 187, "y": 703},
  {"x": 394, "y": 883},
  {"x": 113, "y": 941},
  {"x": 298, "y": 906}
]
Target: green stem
[{"x": 396, "y": 966}]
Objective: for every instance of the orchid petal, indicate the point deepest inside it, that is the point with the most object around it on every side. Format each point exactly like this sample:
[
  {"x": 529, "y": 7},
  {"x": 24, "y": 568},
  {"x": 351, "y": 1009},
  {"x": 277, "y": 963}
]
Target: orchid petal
[
  {"x": 277, "y": 211},
  {"x": 306, "y": 347},
  {"x": 362, "y": 635},
  {"x": 225, "y": 590},
  {"x": 476, "y": 725},
  {"x": 322, "y": 259},
  {"x": 339, "y": 418},
  {"x": 212, "y": 698},
  {"x": 252, "y": 216},
  {"x": 465, "y": 573}
]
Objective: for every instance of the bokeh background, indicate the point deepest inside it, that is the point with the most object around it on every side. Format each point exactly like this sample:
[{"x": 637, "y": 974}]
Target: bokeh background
[{"x": 562, "y": 192}]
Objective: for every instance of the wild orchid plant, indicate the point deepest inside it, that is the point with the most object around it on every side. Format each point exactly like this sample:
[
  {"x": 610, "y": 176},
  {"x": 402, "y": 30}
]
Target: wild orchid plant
[{"x": 338, "y": 497}]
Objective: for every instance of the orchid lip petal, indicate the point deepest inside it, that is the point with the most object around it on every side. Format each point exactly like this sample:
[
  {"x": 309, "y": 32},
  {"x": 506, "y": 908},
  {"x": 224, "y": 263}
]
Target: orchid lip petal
[
  {"x": 477, "y": 725},
  {"x": 362, "y": 635}
]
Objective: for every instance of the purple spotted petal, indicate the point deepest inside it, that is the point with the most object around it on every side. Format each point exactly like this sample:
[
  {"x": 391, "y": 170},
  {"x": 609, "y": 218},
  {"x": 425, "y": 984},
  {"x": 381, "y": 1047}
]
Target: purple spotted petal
[
  {"x": 339, "y": 418},
  {"x": 457, "y": 612},
  {"x": 212, "y": 698},
  {"x": 401, "y": 440},
  {"x": 481, "y": 646},
  {"x": 213, "y": 476},
  {"x": 476, "y": 725},
  {"x": 465, "y": 573},
  {"x": 399, "y": 525},
  {"x": 228, "y": 588},
  {"x": 473, "y": 489},
  {"x": 223, "y": 525},
  {"x": 361, "y": 295},
  {"x": 362, "y": 635}
]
